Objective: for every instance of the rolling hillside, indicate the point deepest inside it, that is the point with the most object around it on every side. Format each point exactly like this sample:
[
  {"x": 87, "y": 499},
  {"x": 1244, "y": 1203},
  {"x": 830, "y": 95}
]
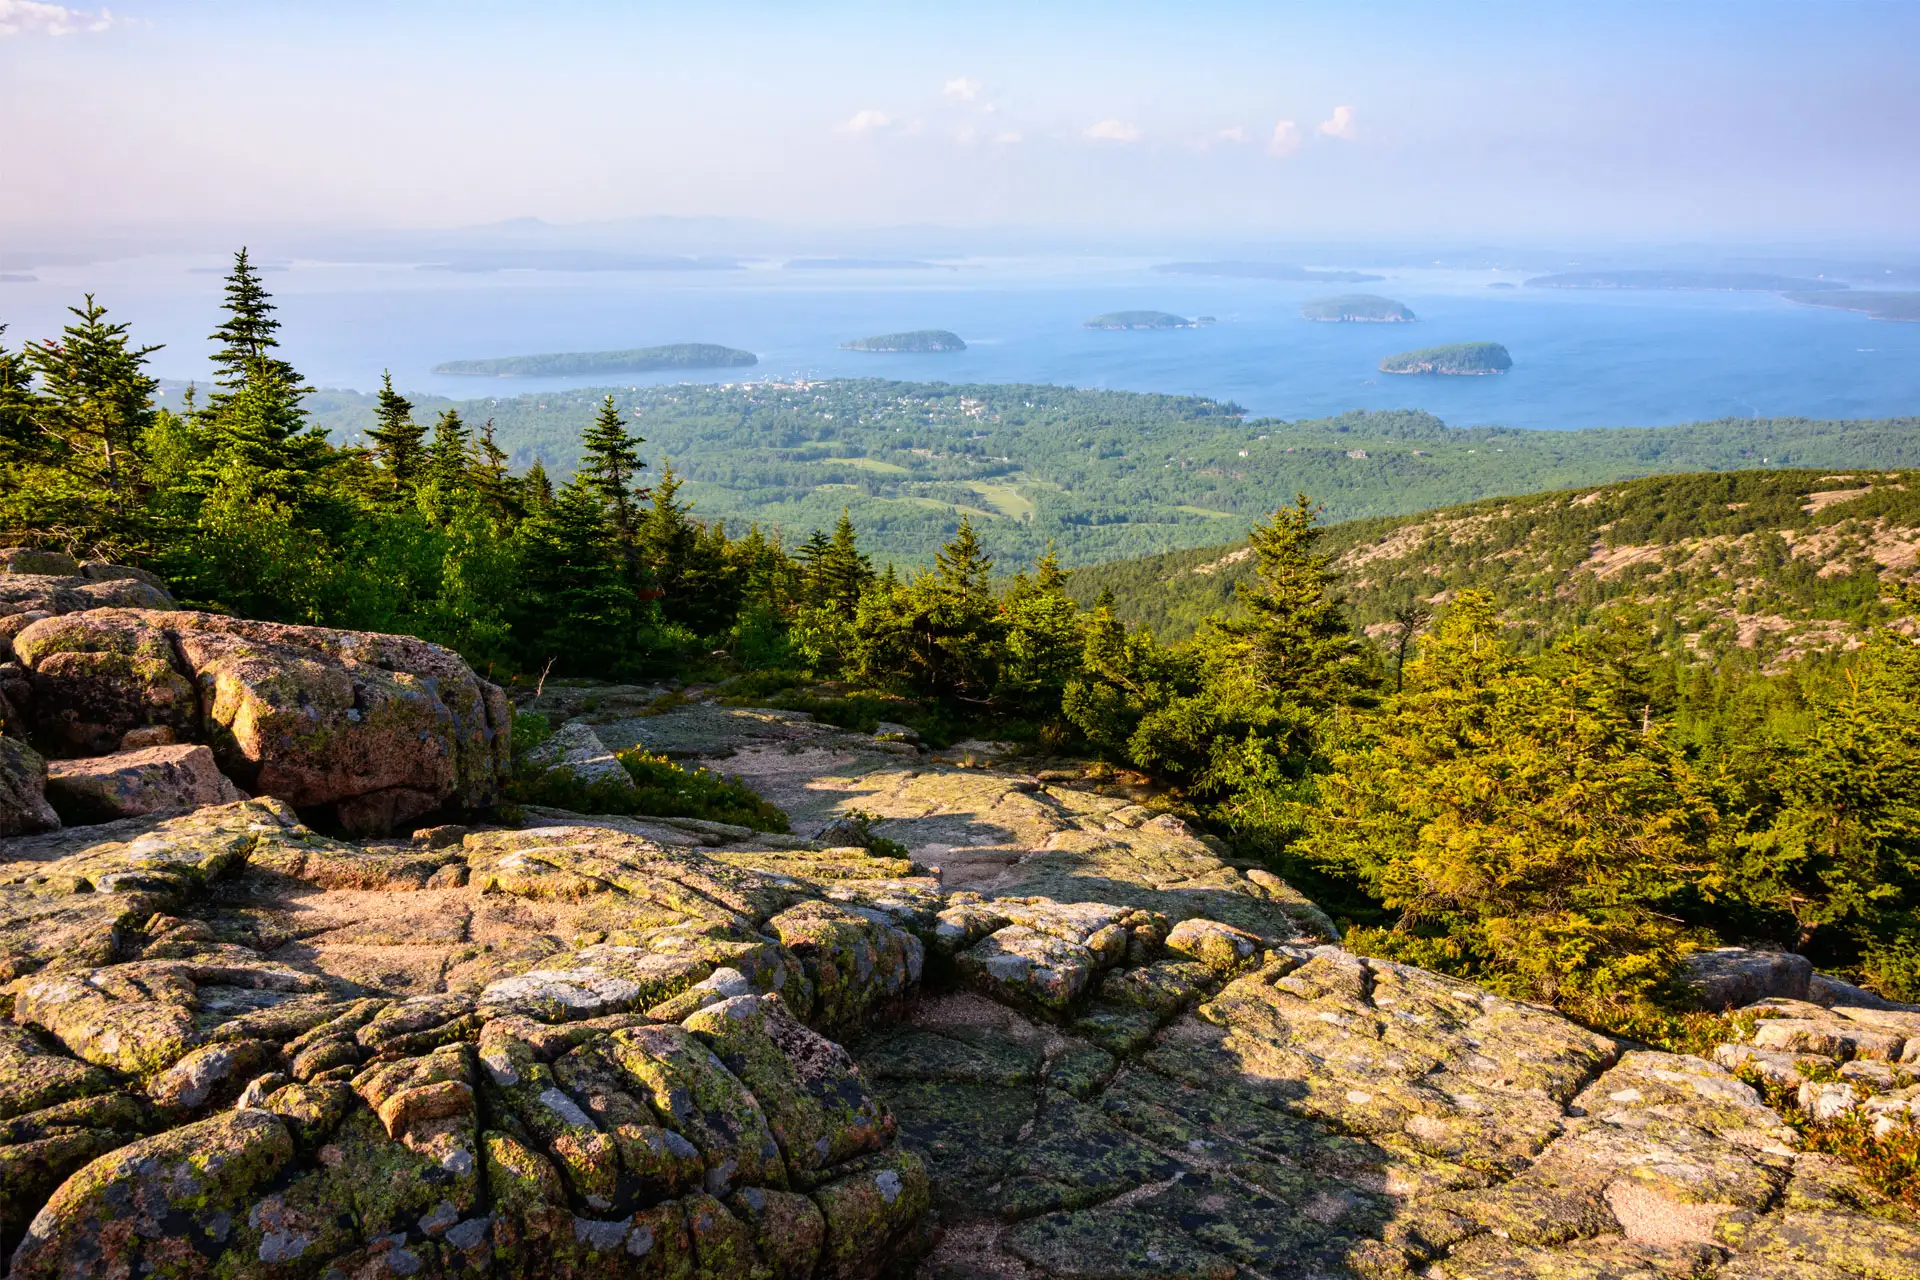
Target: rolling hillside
[
  {"x": 1098, "y": 475},
  {"x": 1780, "y": 562}
]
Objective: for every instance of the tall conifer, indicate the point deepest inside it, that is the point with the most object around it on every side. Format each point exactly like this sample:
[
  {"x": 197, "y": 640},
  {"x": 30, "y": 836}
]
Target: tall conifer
[
  {"x": 398, "y": 440},
  {"x": 610, "y": 464}
]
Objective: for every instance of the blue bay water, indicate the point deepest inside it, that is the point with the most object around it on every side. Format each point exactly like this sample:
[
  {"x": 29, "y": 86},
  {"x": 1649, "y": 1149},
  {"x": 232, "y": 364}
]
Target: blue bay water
[{"x": 1581, "y": 358}]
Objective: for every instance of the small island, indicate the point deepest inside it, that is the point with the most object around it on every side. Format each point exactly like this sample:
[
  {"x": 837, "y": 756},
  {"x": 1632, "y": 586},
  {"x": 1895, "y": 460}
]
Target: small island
[
  {"x": 1144, "y": 320},
  {"x": 917, "y": 340},
  {"x": 678, "y": 355},
  {"x": 1903, "y": 305},
  {"x": 1472, "y": 358},
  {"x": 1356, "y": 308}
]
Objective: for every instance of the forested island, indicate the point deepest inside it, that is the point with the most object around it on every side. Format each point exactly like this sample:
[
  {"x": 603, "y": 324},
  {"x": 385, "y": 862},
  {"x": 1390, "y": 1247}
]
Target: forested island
[
  {"x": 677, "y": 355},
  {"x": 1264, "y": 271},
  {"x": 1458, "y": 358},
  {"x": 915, "y": 340},
  {"x": 1356, "y": 308},
  {"x": 1729, "y": 281},
  {"x": 1145, "y": 320},
  {"x": 1878, "y": 306}
]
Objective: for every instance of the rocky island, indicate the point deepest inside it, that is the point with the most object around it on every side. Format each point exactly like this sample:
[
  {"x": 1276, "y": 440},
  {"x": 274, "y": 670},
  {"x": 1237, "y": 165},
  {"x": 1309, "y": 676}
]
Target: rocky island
[
  {"x": 1144, "y": 320},
  {"x": 1356, "y": 308},
  {"x": 1455, "y": 358},
  {"x": 678, "y": 355},
  {"x": 916, "y": 340}
]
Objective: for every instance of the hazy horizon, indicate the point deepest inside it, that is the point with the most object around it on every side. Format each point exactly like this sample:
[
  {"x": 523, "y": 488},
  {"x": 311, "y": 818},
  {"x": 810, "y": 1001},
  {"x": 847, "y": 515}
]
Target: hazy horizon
[{"x": 1716, "y": 124}]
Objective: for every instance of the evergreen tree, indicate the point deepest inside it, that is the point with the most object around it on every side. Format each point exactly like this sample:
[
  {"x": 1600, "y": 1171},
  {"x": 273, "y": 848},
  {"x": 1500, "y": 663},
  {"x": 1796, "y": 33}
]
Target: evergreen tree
[
  {"x": 1524, "y": 829},
  {"x": 491, "y": 478},
  {"x": 576, "y": 609},
  {"x": 1045, "y": 640},
  {"x": 1292, "y": 634},
  {"x": 447, "y": 455},
  {"x": 257, "y": 415},
  {"x": 247, "y": 337},
  {"x": 20, "y": 433},
  {"x": 837, "y": 572},
  {"x": 537, "y": 486},
  {"x": 962, "y": 567},
  {"x": 398, "y": 441},
  {"x": 95, "y": 402},
  {"x": 610, "y": 463}
]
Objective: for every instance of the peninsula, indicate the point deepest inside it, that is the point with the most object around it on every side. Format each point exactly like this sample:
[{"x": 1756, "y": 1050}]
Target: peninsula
[
  {"x": 678, "y": 355},
  {"x": 1265, "y": 271},
  {"x": 1144, "y": 320},
  {"x": 916, "y": 340},
  {"x": 1902, "y": 305},
  {"x": 1356, "y": 308},
  {"x": 1458, "y": 358},
  {"x": 1732, "y": 281}
]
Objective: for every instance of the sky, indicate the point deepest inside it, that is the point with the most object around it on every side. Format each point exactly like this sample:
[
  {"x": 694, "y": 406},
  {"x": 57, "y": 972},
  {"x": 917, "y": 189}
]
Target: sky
[{"x": 1748, "y": 120}]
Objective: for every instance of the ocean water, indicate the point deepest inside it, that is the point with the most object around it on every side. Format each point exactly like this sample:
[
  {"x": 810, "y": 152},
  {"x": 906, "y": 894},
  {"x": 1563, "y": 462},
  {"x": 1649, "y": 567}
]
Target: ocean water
[{"x": 1581, "y": 358}]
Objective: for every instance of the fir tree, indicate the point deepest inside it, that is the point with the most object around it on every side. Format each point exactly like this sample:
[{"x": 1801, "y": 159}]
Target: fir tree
[
  {"x": 837, "y": 572},
  {"x": 610, "y": 463},
  {"x": 398, "y": 441},
  {"x": 20, "y": 433},
  {"x": 537, "y": 486},
  {"x": 962, "y": 567},
  {"x": 247, "y": 337},
  {"x": 491, "y": 478},
  {"x": 95, "y": 402},
  {"x": 447, "y": 455},
  {"x": 576, "y": 610},
  {"x": 1521, "y": 826}
]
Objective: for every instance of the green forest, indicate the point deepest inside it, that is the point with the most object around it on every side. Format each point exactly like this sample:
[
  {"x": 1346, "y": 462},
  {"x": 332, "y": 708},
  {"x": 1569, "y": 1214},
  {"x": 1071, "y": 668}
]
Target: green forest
[
  {"x": 1097, "y": 475},
  {"x": 1558, "y": 803}
]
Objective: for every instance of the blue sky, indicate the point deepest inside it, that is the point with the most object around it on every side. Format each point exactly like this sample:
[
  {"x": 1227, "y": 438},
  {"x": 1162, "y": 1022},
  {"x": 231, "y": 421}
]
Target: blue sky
[{"x": 1671, "y": 121}]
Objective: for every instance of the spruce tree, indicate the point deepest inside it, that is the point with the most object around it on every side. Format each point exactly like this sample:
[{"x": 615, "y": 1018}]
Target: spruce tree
[
  {"x": 447, "y": 455},
  {"x": 839, "y": 571},
  {"x": 491, "y": 478},
  {"x": 20, "y": 433},
  {"x": 576, "y": 609},
  {"x": 610, "y": 464},
  {"x": 962, "y": 567},
  {"x": 537, "y": 486},
  {"x": 398, "y": 441},
  {"x": 247, "y": 336},
  {"x": 95, "y": 402}
]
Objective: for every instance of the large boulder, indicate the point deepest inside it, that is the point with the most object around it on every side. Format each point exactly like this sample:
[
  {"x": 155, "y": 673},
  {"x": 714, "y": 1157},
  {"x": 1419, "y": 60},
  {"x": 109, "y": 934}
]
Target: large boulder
[
  {"x": 42, "y": 584},
  {"x": 23, "y": 783},
  {"x": 131, "y": 783},
  {"x": 380, "y": 729},
  {"x": 1729, "y": 977}
]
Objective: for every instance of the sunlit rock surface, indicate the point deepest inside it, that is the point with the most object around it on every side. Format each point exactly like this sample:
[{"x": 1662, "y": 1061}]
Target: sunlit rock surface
[{"x": 1061, "y": 1037}]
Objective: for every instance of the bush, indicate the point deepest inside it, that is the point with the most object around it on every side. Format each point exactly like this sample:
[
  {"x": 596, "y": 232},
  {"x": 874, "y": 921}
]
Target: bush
[{"x": 662, "y": 789}]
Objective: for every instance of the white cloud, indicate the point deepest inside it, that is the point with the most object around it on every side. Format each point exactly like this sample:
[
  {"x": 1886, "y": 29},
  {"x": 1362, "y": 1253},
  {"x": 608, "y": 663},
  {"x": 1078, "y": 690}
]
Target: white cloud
[
  {"x": 1339, "y": 124},
  {"x": 32, "y": 17},
  {"x": 961, "y": 89},
  {"x": 866, "y": 121},
  {"x": 1236, "y": 134},
  {"x": 1114, "y": 131},
  {"x": 1285, "y": 140},
  {"x": 1009, "y": 137}
]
